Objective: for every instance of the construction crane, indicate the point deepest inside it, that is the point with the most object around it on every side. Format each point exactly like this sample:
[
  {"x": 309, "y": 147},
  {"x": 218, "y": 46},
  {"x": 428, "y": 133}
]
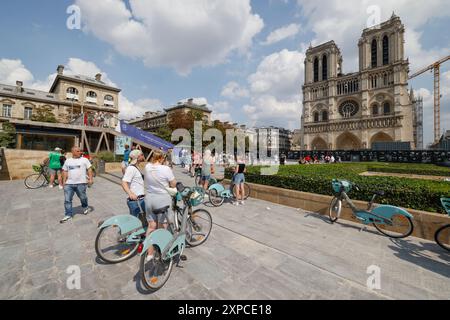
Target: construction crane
[{"x": 437, "y": 94}]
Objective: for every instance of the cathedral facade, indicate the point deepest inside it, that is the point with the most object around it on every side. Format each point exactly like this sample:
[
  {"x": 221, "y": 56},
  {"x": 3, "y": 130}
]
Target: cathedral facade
[{"x": 354, "y": 111}]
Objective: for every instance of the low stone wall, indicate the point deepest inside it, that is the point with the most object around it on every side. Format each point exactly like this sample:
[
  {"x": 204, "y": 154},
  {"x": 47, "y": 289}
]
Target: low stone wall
[
  {"x": 113, "y": 167},
  {"x": 20, "y": 162},
  {"x": 425, "y": 223}
]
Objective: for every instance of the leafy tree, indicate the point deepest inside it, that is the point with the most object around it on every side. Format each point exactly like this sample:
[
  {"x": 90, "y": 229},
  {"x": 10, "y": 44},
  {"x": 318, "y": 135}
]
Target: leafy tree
[
  {"x": 44, "y": 114},
  {"x": 7, "y": 136}
]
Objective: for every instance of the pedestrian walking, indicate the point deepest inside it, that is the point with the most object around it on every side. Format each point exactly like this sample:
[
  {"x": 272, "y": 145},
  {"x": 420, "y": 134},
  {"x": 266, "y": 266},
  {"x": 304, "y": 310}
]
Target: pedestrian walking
[
  {"x": 133, "y": 184},
  {"x": 75, "y": 181},
  {"x": 55, "y": 168}
]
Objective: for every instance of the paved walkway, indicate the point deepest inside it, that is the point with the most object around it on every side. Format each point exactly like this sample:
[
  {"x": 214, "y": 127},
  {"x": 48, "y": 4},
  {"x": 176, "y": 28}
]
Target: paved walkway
[{"x": 257, "y": 251}]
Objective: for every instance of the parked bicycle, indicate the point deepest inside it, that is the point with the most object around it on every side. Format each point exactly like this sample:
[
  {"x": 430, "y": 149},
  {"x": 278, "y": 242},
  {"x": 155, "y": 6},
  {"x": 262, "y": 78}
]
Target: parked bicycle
[
  {"x": 167, "y": 246},
  {"x": 121, "y": 237},
  {"x": 198, "y": 178},
  {"x": 391, "y": 221},
  {"x": 38, "y": 179},
  {"x": 442, "y": 235},
  {"x": 218, "y": 193}
]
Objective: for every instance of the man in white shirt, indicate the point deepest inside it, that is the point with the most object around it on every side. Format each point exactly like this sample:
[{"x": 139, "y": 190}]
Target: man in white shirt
[
  {"x": 75, "y": 181},
  {"x": 133, "y": 184}
]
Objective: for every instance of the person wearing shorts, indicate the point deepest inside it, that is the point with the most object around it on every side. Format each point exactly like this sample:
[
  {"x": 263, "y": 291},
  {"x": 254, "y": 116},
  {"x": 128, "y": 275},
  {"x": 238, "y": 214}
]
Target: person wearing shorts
[
  {"x": 238, "y": 181},
  {"x": 55, "y": 168},
  {"x": 158, "y": 177}
]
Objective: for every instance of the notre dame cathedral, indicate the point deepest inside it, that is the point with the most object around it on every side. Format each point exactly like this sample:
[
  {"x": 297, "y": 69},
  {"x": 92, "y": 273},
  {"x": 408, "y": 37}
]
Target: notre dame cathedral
[{"x": 353, "y": 111}]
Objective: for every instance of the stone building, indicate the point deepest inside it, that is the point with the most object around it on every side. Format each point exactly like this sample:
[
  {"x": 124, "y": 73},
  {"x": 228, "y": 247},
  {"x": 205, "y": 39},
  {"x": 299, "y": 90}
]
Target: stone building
[
  {"x": 355, "y": 110},
  {"x": 73, "y": 100},
  {"x": 152, "y": 121}
]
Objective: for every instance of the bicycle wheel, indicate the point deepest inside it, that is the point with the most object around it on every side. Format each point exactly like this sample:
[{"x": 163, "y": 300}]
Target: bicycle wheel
[
  {"x": 215, "y": 198},
  {"x": 442, "y": 237},
  {"x": 35, "y": 181},
  {"x": 112, "y": 248},
  {"x": 156, "y": 272},
  {"x": 401, "y": 227},
  {"x": 334, "y": 212},
  {"x": 198, "y": 228}
]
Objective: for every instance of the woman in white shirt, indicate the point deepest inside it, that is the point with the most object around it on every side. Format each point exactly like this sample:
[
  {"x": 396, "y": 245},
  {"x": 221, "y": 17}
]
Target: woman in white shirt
[{"x": 157, "y": 178}]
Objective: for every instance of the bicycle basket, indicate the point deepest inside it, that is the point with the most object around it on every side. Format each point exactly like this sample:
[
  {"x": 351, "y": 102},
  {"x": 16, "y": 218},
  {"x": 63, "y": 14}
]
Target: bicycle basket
[
  {"x": 197, "y": 196},
  {"x": 338, "y": 184},
  {"x": 37, "y": 168}
]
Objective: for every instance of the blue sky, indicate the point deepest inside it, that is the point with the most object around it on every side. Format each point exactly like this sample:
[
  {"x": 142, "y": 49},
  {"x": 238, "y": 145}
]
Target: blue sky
[{"x": 160, "y": 52}]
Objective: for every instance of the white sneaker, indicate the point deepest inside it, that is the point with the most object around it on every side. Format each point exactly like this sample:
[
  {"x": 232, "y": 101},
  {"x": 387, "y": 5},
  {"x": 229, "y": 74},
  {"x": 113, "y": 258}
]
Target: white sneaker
[
  {"x": 61, "y": 187},
  {"x": 65, "y": 219},
  {"x": 242, "y": 203},
  {"x": 86, "y": 211},
  {"x": 51, "y": 186},
  {"x": 236, "y": 204}
]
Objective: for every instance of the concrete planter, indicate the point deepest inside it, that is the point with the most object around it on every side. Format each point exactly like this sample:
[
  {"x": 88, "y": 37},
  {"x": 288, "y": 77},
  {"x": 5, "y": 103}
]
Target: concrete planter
[{"x": 425, "y": 223}]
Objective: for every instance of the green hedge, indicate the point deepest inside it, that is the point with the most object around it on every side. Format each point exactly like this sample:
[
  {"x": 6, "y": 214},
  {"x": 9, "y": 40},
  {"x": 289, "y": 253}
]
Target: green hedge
[
  {"x": 109, "y": 157},
  {"x": 408, "y": 193}
]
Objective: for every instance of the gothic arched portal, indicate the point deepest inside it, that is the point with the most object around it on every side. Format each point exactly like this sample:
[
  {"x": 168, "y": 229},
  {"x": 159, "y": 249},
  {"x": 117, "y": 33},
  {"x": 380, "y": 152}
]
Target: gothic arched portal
[
  {"x": 348, "y": 141},
  {"x": 318, "y": 144}
]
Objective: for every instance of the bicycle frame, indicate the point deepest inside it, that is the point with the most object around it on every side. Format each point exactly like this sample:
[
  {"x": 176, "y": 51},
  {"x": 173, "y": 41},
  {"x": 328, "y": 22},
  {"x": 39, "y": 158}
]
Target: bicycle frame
[
  {"x": 380, "y": 215},
  {"x": 170, "y": 244}
]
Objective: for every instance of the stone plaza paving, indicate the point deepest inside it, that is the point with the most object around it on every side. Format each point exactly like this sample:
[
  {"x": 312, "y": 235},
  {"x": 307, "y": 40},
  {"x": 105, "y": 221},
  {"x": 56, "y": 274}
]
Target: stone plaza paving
[{"x": 257, "y": 251}]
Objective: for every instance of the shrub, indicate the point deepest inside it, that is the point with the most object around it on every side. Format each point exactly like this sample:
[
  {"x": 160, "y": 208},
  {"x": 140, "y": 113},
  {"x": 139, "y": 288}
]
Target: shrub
[
  {"x": 403, "y": 192},
  {"x": 109, "y": 157}
]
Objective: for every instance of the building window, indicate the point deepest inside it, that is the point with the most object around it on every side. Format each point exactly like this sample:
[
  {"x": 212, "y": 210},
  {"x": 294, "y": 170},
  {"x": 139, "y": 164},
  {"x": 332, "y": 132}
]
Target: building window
[
  {"x": 385, "y": 50},
  {"x": 325, "y": 68},
  {"x": 7, "y": 111},
  {"x": 375, "y": 110},
  {"x": 374, "y": 53},
  {"x": 325, "y": 116},
  {"x": 91, "y": 94},
  {"x": 109, "y": 101},
  {"x": 316, "y": 70},
  {"x": 348, "y": 109},
  {"x": 72, "y": 90},
  {"x": 316, "y": 117},
  {"x": 28, "y": 113},
  {"x": 387, "y": 108}
]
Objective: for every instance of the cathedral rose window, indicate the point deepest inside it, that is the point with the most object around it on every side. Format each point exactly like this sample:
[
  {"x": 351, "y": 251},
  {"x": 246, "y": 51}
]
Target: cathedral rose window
[{"x": 348, "y": 109}]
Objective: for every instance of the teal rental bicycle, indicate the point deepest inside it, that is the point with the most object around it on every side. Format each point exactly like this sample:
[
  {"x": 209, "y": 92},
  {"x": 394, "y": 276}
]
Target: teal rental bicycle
[
  {"x": 167, "y": 246},
  {"x": 442, "y": 235},
  {"x": 391, "y": 221},
  {"x": 218, "y": 193},
  {"x": 121, "y": 237}
]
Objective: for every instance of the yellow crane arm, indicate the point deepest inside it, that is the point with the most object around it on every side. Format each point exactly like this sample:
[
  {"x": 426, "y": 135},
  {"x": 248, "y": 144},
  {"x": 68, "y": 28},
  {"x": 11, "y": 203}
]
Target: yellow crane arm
[{"x": 430, "y": 67}]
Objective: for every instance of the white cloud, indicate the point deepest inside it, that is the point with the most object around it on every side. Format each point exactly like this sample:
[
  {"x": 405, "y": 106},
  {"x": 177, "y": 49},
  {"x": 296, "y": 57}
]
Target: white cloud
[
  {"x": 182, "y": 34},
  {"x": 233, "y": 90},
  {"x": 221, "y": 111},
  {"x": 13, "y": 70},
  {"x": 283, "y": 33},
  {"x": 275, "y": 90},
  {"x": 344, "y": 23}
]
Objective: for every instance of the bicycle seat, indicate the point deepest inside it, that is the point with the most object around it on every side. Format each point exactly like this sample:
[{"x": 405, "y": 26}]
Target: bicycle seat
[{"x": 162, "y": 210}]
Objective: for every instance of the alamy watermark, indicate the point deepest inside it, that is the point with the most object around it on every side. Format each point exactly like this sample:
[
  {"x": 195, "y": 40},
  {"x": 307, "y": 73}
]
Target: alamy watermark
[
  {"x": 374, "y": 280},
  {"x": 254, "y": 147},
  {"x": 74, "y": 20},
  {"x": 74, "y": 280}
]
